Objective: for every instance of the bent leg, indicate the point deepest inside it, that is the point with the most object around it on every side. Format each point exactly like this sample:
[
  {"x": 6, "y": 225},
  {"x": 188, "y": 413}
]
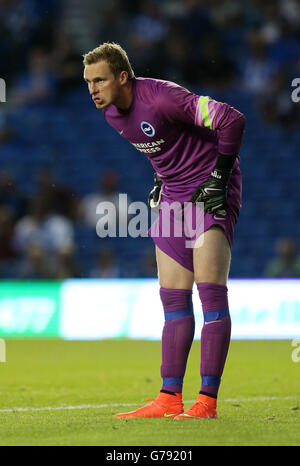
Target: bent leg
[
  {"x": 176, "y": 284},
  {"x": 211, "y": 264}
]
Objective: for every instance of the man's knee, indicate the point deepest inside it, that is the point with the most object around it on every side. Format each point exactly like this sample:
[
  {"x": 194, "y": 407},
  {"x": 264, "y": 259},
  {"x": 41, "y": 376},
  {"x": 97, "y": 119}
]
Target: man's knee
[
  {"x": 178, "y": 282},
  {"x": 212, "y": 274}
]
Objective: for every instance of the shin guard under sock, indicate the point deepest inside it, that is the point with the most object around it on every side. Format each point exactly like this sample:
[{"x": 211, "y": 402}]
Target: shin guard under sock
[
  {"x": 215, "y": 335},
  {"x": 177, "y": 336}
]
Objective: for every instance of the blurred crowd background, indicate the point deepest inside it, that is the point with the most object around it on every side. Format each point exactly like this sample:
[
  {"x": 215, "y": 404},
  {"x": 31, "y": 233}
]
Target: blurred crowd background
[{"x": 59, "y": 159}]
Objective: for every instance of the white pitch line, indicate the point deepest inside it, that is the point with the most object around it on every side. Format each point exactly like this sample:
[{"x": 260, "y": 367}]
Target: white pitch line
[
  {"x": 120, "y": 405},
  {"x": 260, "y": 398}
]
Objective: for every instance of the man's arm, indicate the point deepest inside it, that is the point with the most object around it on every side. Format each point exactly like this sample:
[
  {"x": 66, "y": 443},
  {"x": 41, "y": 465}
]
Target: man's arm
[
  {"x": 230, "y": 125},
  {"x": 226, "y": 120},
  {"x": 181, "y": 106}
]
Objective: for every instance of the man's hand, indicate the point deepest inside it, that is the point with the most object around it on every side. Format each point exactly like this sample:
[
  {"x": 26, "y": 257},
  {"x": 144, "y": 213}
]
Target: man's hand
[
  {"x": 213, "y": 192},
  {"x": 155, "y": 194}
]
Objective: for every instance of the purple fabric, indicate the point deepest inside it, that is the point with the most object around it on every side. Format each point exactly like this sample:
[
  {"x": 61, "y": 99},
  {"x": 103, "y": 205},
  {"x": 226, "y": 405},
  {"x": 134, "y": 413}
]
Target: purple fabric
[
  {"x": 177, "y": 336},
  {"x": 167, "y": 124},
  {"x": 181, "y": 133},
  {"x": 228, "y": 142},
  {"x": 213, "y": 296},
  {"x": 175, "y": 300},
  {"x": 176, "y": 247},
  {"x": 215, "y": 335}
]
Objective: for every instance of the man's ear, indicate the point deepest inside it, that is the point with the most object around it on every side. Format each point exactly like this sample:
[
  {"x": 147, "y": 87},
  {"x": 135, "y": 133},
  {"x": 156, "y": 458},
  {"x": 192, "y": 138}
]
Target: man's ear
[{"x": 123, "y": 77}]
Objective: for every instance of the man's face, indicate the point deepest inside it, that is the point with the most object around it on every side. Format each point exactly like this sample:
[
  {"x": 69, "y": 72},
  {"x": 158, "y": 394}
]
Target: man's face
[{"x": 103, "y": 86}]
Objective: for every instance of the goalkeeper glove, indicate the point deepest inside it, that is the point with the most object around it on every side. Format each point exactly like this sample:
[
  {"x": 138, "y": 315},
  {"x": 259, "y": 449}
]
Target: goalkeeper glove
[
  {"x": 155, "y": 194},
  {"x": 213, "y": 192}
]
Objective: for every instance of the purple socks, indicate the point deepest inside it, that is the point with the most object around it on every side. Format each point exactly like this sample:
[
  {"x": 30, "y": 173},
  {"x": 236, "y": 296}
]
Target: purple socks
[
  {"x": 215, "y": 335},
  {"x": 177, "y": 337}
]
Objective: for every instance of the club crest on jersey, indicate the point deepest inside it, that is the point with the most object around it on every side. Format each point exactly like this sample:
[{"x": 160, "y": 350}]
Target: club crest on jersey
[{"x": 147, "y": 129}]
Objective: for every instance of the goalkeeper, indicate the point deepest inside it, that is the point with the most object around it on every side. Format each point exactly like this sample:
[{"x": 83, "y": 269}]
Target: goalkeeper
[{"x": 193, "y": 144}]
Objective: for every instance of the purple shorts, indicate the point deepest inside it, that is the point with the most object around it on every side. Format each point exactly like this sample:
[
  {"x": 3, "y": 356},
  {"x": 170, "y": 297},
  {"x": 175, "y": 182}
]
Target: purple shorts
[{"x": 175, "y": 231}]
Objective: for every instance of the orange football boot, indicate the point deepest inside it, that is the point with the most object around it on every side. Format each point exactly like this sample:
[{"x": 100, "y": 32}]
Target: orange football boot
[
  {"x": 165, "y": 405},
  {"x": 205, "y": 407}
]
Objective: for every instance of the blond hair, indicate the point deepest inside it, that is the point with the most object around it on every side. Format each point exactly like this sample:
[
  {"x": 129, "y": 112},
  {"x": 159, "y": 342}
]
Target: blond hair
[{"x": 113, "y": 54}]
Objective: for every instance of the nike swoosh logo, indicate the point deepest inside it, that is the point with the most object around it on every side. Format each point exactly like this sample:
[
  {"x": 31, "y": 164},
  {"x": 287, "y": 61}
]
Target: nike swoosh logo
[
  {"x": 169, "y": 415},
  {"x": 121, "y": 132},
  {"x": 208, "y": 190}
]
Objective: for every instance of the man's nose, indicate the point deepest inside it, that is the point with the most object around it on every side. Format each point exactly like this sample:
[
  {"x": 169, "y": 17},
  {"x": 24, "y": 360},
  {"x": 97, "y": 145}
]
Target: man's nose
[{"x": 93, "y": 88}]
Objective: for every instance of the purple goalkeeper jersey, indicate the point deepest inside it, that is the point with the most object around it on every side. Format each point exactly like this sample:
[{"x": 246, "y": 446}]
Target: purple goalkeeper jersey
[{"x": 181, "y": 134}]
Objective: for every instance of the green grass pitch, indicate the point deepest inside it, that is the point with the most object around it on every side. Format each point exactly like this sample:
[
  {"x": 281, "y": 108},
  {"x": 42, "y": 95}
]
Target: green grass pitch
[{"x": 68, "y": 392}]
